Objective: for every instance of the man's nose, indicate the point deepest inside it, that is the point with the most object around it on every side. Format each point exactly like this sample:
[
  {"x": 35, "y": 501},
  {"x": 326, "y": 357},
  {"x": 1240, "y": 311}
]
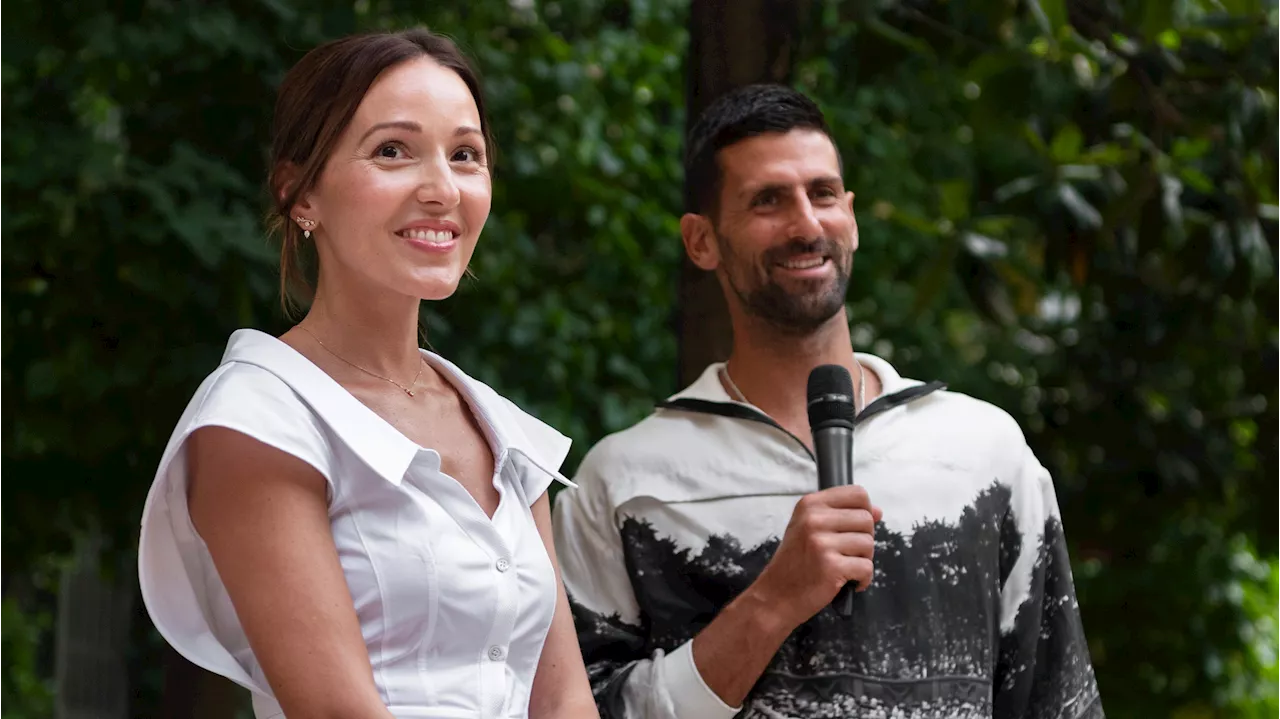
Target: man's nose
[{"x": 805, "y": 223}]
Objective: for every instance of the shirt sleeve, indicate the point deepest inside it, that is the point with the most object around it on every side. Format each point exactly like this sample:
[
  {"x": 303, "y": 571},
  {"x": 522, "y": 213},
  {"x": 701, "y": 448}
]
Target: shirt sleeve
[
  {"x": 1043, "y": 670},
  {"x": 630, "y": 678},
  {"x": 178, "y": 581}
]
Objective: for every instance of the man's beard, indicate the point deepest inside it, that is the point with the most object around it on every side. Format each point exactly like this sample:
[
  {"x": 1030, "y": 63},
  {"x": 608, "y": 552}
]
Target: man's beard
[{"x": 796, "y": 311}]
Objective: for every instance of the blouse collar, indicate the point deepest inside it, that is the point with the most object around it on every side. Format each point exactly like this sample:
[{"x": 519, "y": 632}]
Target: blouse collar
[{"x": 381, "y": 446}]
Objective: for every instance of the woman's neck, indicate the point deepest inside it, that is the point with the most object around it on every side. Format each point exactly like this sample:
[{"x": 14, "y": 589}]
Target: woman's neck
[{"x": 376, "y": 334}]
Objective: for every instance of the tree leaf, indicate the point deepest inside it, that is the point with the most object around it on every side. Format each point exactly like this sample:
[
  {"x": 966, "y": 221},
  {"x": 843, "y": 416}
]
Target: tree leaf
[
  {"x": 954, "y": 200},
  {"x": 1050, "y": 14},
  {"x": 1066, "y": 144},
  {"x": 1084, "y": 212},
  {"x": 936, "y": 273}
]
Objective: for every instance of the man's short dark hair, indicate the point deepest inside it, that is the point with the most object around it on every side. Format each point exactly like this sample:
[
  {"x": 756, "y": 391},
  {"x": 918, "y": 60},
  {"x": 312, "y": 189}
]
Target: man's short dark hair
[{"x": 735, "y": 116}]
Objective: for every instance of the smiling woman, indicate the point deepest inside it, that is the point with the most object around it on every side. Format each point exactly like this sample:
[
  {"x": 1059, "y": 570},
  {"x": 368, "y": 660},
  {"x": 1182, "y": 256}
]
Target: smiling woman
[
  {"x": 397, "y": 114},
  {"x": 342, "y": 523}
]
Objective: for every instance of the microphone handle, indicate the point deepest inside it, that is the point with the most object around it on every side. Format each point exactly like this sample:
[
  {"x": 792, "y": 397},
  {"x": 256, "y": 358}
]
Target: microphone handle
[
  {"x": 833, "y": 448},
  {"x": 843, "y": 603}
]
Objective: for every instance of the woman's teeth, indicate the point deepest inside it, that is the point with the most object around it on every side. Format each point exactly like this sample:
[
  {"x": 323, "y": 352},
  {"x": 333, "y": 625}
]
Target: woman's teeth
[{"x": 428, "y": 235}]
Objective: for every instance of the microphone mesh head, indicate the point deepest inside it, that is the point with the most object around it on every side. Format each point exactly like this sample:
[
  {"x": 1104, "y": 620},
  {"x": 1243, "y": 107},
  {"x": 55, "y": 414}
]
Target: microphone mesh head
[{"x": 830, "y": 395}]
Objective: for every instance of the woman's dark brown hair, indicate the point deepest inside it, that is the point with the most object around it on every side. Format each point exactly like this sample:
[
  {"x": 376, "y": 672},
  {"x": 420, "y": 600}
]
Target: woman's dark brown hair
[{"x": 315, "y": 103}]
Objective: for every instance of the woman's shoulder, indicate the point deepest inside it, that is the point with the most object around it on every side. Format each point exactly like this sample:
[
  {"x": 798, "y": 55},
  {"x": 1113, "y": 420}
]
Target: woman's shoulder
[
  {"x": 251, "y": 394},
  {"x": 259, "y": 376}
]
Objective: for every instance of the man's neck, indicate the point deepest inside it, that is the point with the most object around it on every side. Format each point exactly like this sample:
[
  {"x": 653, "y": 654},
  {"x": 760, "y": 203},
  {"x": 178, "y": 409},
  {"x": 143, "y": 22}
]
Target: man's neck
[{"x": 771, "y": 369}]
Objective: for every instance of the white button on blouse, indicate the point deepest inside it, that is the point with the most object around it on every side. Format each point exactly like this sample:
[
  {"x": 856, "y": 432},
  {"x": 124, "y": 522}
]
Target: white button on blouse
[{"x": 454, "y": 606}]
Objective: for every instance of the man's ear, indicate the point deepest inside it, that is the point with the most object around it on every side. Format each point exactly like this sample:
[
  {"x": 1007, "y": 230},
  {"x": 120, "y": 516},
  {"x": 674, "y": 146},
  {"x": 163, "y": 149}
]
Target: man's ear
[
  {"x": 700, "y": 241},
  {"x": 854, "y": 217}
]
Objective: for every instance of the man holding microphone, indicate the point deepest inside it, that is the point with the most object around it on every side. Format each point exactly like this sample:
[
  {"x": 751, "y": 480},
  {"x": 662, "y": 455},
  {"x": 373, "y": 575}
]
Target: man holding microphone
[{"x": 699, "y": 557}]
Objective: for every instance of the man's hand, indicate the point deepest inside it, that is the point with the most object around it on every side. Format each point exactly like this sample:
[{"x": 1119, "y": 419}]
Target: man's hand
[{"x": 830, "y": 541}]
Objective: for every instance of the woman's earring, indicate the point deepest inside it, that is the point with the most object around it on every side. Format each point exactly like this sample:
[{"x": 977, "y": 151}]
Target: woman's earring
[{"x": 306, "y": 226}]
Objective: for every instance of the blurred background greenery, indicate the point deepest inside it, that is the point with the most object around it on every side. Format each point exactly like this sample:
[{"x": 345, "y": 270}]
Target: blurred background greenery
[{"x": 1067, "y": 208}]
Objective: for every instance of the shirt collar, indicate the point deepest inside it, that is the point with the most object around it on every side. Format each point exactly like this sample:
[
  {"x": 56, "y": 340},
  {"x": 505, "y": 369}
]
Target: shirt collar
[
  {"x": 378, "y": 444},
  {"x": 708, "y": 386},
  {"x": 516, "y": 430}
]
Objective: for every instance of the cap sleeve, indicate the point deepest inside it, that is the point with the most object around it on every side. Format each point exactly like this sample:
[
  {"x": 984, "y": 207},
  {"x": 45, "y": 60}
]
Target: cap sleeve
[
  {"x": 546, "y": 447},
  {"x": 180, "y": 587}
]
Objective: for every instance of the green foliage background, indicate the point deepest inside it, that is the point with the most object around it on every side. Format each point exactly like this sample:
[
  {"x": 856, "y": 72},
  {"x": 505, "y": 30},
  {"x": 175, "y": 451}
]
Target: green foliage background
[{"x": 1067, "y": 208}]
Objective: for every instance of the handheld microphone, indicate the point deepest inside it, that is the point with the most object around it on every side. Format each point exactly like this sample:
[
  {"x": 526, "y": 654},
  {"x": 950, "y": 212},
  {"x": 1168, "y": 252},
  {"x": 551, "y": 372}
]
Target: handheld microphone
[{"x": 831, "y": 412}]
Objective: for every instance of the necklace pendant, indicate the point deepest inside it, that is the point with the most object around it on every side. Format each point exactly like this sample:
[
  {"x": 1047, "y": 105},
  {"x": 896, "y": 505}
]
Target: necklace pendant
[{"x": 409, "y": 392}]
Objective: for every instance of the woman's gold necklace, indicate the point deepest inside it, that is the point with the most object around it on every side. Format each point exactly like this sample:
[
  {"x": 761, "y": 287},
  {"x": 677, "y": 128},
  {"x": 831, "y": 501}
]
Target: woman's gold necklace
[{"x": 407, "y": 390}]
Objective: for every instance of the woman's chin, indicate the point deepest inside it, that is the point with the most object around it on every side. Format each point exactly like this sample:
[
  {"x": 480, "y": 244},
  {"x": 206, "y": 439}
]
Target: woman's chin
[{"x": 438, "y": 285}]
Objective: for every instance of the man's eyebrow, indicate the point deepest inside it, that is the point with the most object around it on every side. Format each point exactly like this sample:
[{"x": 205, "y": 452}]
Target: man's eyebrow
[{"x": 752, "y": 190}]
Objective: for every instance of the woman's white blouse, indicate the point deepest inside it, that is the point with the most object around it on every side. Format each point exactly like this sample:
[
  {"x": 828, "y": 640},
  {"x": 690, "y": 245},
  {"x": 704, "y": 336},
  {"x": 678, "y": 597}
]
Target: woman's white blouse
[{"x": 454, "y": 606}]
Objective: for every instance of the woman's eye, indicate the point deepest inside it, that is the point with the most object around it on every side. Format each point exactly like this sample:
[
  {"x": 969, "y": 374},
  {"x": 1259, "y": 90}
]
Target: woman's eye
[
  {"x": 390, "y": 151},
  {"x": 467, "y": 154}
]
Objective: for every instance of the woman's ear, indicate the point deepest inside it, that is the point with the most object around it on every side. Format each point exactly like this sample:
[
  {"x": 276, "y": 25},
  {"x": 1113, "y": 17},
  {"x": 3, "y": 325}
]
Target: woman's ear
[
  {"x": 303, "y": 206},
  {"x": 700, "y": 241}
]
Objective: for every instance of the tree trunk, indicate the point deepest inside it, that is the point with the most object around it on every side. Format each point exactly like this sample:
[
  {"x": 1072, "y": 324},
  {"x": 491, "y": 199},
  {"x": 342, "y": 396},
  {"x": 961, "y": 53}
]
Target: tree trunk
[
  {"x": 94, "y": 613},
  {"x": 731, "y": 43}
]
